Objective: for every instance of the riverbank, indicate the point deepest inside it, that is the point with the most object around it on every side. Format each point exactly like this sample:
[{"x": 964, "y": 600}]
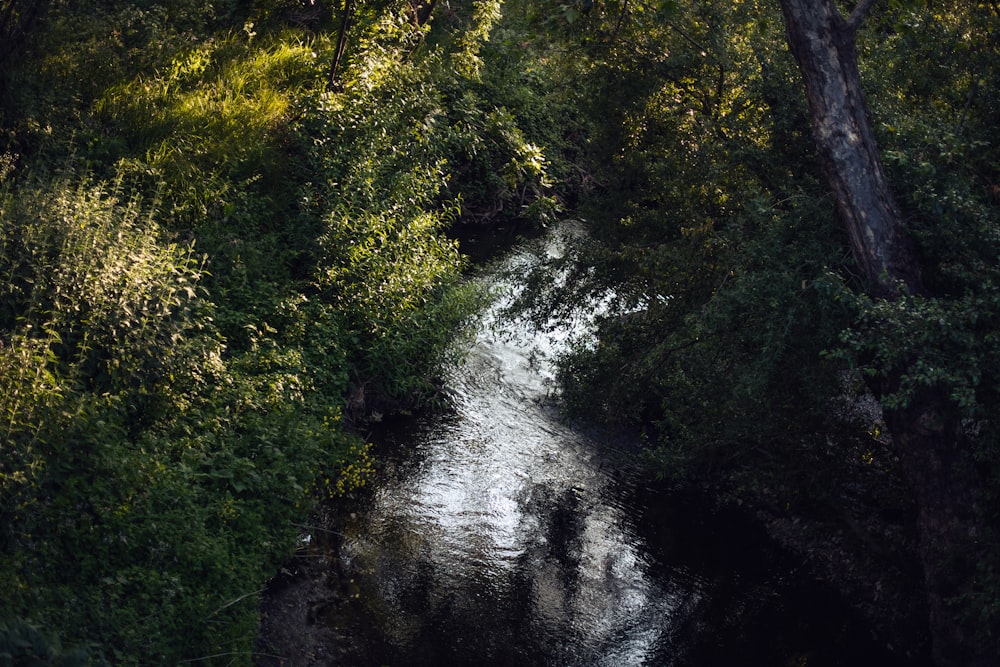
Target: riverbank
[{"x": 298, "y": 601}]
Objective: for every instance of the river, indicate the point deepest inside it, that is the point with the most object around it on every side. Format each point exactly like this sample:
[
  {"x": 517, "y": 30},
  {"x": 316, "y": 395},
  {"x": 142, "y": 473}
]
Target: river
[{"x": 498, "y": 535}]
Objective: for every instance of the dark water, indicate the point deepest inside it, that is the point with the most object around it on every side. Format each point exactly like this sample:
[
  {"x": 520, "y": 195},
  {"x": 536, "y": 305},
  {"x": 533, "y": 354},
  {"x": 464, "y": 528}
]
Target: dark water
[{"x": 499, "y": 536}]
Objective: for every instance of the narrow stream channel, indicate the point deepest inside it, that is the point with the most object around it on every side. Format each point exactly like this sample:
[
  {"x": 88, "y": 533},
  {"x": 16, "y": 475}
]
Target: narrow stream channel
[{"x": 497, "y": 535}]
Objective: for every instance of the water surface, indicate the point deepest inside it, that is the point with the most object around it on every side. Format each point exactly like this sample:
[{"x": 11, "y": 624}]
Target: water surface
[{"x": 498, "y": 535}]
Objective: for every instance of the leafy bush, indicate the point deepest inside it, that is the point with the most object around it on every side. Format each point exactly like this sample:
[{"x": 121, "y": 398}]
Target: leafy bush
[
  {"x": 146, "y": 480},
  {"x": 183, "y": 330}
]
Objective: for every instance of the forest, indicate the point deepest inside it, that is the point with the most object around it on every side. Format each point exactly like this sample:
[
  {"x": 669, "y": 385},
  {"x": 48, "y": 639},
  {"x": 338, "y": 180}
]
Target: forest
[{"x": 233, "y": 232}]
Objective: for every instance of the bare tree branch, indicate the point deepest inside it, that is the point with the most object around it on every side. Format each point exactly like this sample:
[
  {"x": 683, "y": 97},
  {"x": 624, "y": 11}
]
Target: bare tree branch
[
  {"x": 345, "y": 23},
  {"x": 858, "y": 15}
]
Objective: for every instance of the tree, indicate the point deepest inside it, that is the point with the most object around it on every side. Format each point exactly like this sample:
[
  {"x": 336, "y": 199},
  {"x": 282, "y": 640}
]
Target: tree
[
  {"x": 16, "y": 19},
  {"x": 927, "y": 429}
]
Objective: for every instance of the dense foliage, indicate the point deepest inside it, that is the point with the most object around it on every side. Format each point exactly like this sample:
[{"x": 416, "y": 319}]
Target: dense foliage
[
  {"x": 214, "y": 262},
  {"x": 711, "y": 237},
  {"x": 220, "y": 250},
  {"x": 738, "y": 334}
]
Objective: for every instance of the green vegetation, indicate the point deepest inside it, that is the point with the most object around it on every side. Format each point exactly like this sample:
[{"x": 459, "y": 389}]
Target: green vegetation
[
  {"x": 214, "y": 263},
  {"x": 219, "y": 253},
  {"x": 739, "y": 334}
]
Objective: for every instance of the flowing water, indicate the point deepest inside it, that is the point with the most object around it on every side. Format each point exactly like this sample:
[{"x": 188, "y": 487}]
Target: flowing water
[{"x": 498, "y": 535}]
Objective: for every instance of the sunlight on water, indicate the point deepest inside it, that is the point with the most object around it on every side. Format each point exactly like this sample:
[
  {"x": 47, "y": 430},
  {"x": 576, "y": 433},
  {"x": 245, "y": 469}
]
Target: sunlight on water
[{"x": 500, "y": 534}]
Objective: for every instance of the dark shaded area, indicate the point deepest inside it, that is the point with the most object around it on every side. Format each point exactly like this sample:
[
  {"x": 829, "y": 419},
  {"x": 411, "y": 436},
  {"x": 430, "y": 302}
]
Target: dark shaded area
[
  {"x": 763, "y": 608},
  {"x": 768, "y": 609},
  {"x": 752, "y": 601}
]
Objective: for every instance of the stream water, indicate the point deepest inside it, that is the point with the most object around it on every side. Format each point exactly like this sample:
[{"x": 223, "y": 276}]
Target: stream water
[{"x": 498, "y": 535}]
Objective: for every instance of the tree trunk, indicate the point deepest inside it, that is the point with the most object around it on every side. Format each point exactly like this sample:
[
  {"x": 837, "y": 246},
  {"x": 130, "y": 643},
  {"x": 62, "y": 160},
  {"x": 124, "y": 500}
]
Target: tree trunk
[
  {"x": 822, "y": 42},
  {"x": 927, "y": 432},
  {"x": 928, "y": 436},
  {"x": 345, "y": 25}
]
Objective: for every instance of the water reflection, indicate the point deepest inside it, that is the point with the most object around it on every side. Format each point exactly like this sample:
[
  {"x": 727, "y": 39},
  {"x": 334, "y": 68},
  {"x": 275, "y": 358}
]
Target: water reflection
[{"x": 498, "y": 536}]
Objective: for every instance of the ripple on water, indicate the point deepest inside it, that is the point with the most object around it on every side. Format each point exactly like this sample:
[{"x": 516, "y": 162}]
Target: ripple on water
[
  {"x": 501, "y": 539},
  {"x": 499, "y": 536}
]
